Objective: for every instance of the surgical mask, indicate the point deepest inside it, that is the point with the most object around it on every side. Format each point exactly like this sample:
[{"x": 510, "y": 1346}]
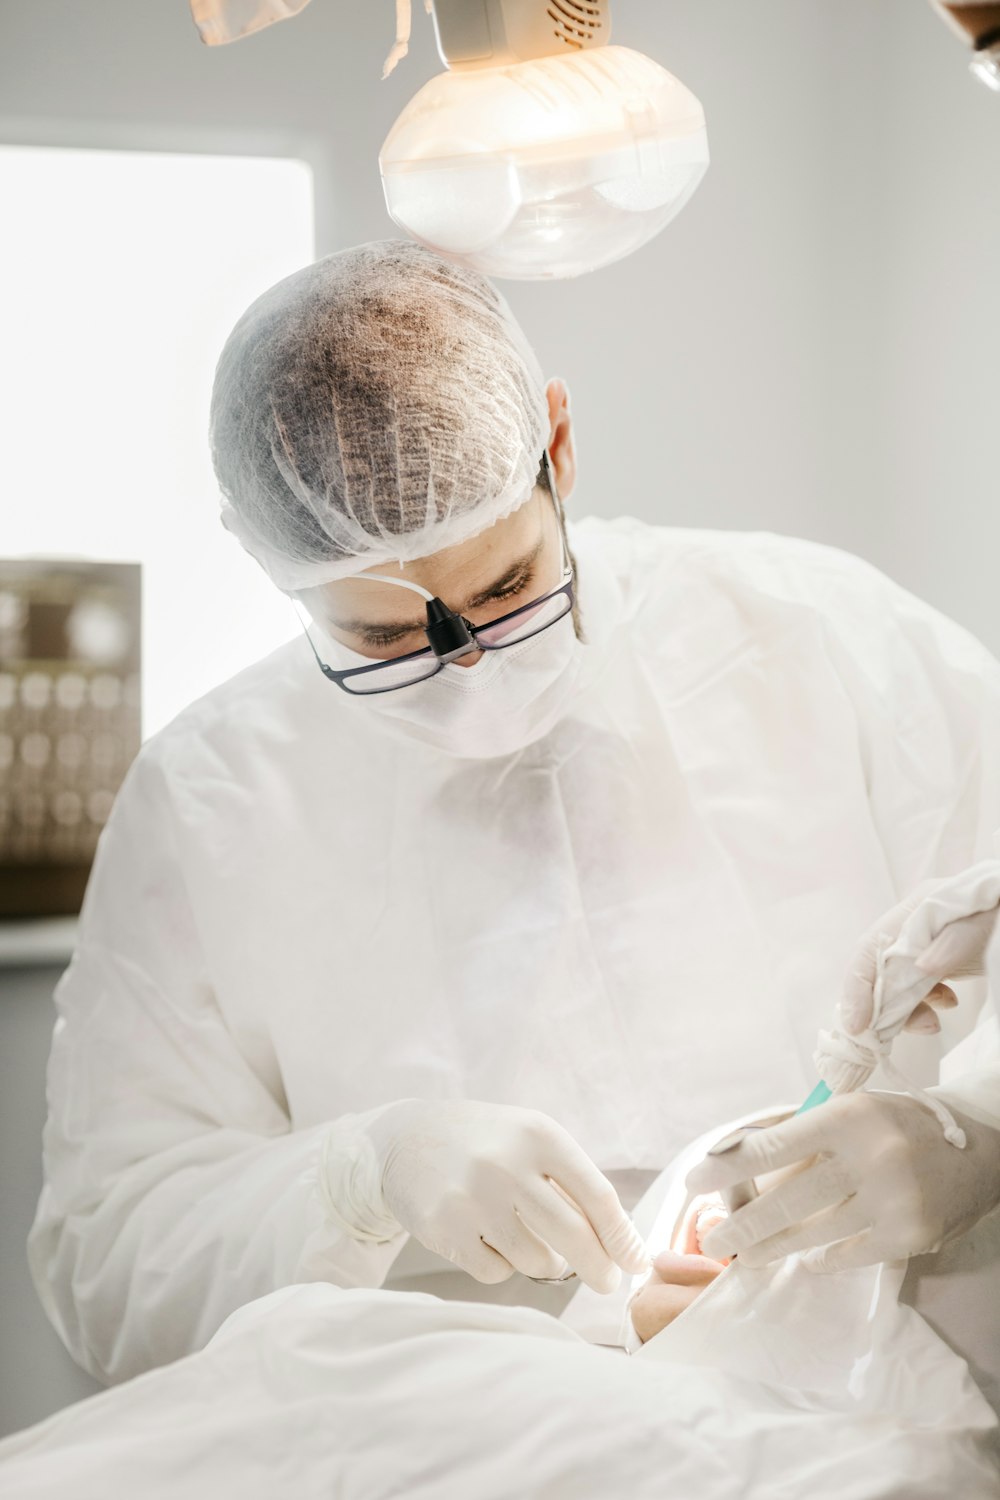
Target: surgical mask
[{"x": 507, "y": 700}]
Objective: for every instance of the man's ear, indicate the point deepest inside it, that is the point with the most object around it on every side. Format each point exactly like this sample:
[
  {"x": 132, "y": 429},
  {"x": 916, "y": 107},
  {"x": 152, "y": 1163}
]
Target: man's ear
[{"x": 561, "y": 450}]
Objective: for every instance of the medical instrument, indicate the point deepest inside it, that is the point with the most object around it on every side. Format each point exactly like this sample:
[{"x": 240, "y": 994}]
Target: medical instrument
[
  {"x": 739, "y": 1194},
  {"x": 820, "y": 1094}
]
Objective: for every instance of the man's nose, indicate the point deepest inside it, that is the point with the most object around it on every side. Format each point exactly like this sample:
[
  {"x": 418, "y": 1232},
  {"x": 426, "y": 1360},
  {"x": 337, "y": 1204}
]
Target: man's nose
[{"x": 470, "y": 660}]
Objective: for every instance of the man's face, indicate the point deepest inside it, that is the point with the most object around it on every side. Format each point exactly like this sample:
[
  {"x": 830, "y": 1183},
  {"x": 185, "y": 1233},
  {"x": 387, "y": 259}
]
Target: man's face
[{"x": 515, "y": 561}]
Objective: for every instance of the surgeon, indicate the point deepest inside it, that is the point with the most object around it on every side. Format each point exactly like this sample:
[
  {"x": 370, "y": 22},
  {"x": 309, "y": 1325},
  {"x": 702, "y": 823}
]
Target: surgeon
[{"x": 542, "y": 847}]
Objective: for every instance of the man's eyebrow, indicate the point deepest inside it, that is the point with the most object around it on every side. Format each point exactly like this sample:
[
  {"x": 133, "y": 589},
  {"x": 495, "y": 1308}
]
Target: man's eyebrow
[
  {"x": 400, "y": 628},
  {"x": 507, "y": 578}
]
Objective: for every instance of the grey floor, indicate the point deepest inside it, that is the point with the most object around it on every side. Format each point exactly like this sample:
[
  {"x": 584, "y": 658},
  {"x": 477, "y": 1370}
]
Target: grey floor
[{"x": 37, "y": 1376}]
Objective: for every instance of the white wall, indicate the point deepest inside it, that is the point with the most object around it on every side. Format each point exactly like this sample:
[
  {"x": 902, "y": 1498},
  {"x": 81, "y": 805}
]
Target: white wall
[
  {"x": 940, "y": 388},
  {"x": 807, "y": 349}
]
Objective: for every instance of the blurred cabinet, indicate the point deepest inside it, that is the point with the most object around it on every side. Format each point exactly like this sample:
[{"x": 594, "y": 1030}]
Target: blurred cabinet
[{"x": 70, "y": 667}]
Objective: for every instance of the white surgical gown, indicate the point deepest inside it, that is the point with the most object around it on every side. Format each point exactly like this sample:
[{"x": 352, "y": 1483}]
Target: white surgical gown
[{"x": 636, "y": 924}]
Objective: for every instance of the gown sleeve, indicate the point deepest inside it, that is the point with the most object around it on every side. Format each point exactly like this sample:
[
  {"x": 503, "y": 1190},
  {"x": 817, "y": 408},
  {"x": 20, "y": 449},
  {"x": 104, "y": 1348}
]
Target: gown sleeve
[{"x": 175, "y": 1188}]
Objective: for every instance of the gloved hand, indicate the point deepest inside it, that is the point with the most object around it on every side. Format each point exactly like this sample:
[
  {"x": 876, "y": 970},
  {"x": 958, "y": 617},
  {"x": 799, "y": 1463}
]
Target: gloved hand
[
  {"x": 876, "y": 1181},
  {"x": 493, "y": 1188},
  {"x": 939, "y": 932}
]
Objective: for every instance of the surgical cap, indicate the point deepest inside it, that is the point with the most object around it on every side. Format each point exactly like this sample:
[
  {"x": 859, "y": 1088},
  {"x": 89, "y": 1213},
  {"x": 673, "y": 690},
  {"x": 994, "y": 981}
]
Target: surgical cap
[{"x": 374, "y": 407}]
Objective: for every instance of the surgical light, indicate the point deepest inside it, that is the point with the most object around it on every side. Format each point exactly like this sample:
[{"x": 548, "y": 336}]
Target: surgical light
[
  {"x": 542, "y": 151},
  {"x": 986, "y": 66}
]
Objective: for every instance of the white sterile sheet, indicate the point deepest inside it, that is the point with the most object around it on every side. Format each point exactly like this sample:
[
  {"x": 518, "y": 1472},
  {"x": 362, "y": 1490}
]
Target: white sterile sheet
[{"x": 799, "y": 1391}]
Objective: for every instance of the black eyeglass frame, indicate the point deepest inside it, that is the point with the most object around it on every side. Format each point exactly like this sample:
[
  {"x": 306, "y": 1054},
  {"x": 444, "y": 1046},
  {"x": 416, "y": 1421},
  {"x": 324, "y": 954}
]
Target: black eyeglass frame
[{"x": 567, "y": 589}]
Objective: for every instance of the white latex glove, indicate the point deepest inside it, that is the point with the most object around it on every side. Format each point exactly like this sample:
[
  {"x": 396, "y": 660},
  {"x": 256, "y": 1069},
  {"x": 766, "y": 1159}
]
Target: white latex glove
[
  {"x": 939, "y": 932},
  {"x": 876, "y": 1181},
  {"x": 493, "y": 1188}
]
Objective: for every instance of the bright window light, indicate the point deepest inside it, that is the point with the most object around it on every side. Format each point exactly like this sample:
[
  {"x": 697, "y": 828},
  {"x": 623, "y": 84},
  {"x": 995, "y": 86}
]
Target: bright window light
[{"x": 122, "y": 274}]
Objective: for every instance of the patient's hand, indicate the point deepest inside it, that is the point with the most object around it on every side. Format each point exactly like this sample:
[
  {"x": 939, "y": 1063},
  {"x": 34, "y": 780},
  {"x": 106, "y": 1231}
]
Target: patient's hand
[{"x": 679, "y": 1275}]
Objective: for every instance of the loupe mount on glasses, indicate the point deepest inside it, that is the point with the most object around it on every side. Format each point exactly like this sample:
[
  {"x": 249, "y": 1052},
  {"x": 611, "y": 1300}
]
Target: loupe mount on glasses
[{"x": 449, "y": 634}]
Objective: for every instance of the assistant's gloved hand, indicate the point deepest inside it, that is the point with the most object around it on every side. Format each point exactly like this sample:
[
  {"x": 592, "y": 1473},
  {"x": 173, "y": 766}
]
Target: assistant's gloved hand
[
  {"x": 877, "y": 1180},
  {"x": 493, "y": 1188},
  {"x": 939, "y": 932}
]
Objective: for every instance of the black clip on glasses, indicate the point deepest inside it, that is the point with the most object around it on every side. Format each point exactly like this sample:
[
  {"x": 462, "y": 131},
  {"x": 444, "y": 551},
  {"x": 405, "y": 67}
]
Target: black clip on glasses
[{"x": 448, "y": 634}]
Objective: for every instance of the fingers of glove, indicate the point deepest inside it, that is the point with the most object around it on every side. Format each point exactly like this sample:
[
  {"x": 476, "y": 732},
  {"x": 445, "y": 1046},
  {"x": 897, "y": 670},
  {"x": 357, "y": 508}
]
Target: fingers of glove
[
  {"x": 923, "y": 1021},
  {"x": 480, "y": 1261},
  {"x": 764, "y": 1151},
  {"x": 923, "y": 1018},
  {"x": 846, "y": 1255},
  {"x": 521, "y": 1248},
  {"x": 856, "y": 1000},
  {"x": 560, "y": 1225},
  {"x": 959, "y": 948},
  {"x": 823, "y": 1186},
  {"x": 575, "y": 1174},
  {"x": 820, "y": 1230}
]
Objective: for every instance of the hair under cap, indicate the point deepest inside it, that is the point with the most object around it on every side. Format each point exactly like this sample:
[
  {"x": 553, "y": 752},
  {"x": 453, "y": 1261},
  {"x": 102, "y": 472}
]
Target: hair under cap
[{"x": 377, "y": 406}]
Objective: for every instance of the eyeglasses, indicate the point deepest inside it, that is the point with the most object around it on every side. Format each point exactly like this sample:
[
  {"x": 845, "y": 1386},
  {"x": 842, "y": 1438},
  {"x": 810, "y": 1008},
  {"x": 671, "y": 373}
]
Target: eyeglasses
[{"x": 452, "y": 636}]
